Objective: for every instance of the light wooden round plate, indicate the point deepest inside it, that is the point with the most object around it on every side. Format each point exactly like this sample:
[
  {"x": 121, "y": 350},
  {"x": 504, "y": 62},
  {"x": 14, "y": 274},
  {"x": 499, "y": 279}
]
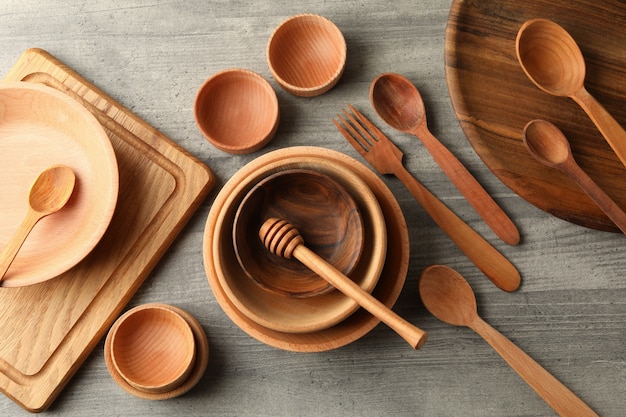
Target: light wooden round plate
[
  {"x": 388, "y": 287},
  {"x": 39, "y": 127}
]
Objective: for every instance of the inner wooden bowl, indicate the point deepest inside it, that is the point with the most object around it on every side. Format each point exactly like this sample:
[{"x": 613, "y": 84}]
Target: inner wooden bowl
[
  {"x": 289, "y": 314},
  {"x": 219, "y": 260},
  {"x": 322, "y": 210},
  {"x": 306, "y": 55},
  {"x": 237, "y": 111},
  {"x": 153, "y": 348},
  {"x": 39, "y": 127}
]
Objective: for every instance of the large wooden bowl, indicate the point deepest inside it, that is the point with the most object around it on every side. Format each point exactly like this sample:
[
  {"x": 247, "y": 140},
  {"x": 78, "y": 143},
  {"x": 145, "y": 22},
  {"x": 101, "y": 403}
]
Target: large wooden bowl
[
  {"x": 288, "y": 314},
  {"x": 39, "y": 127},
  {"x": 306, "y": 55},
  {"x": 322, "y": 210},
  {"x": 391, "y": 279}
]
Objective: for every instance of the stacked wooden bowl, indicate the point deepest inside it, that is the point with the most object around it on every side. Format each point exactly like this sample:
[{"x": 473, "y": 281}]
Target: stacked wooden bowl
[{"x": 320, "y": 321}]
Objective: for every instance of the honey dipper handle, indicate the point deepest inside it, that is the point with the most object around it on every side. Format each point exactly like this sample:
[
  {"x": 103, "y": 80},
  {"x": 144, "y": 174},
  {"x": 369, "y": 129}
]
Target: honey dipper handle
[{"x": 413, "y": 335}]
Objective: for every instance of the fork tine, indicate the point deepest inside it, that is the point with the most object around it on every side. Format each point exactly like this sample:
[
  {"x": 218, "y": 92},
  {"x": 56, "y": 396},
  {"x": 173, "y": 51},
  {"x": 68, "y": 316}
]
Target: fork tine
[
  {"x": 359, "y": 129},
  {"x": 379, "y": 136},
  {"x": 367, "y": 127},
  {"x": 351, "y": 135}
]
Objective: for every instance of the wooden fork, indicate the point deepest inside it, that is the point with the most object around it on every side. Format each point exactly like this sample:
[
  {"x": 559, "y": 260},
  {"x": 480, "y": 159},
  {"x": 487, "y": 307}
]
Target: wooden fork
[{"x": 386, "y": 158}]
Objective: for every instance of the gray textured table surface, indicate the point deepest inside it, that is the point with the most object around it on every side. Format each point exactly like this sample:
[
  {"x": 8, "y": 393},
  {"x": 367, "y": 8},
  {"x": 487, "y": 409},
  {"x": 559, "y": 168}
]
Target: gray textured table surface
[{"x": 569, "y": 314}]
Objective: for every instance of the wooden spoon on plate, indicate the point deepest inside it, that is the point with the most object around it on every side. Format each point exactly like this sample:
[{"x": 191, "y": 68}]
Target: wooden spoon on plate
[
  {"x": 48, "y": 194},
  {"x": 553, "y": 61},
  {"x": 283, "y": 239},
  {"x": 449, "y": 297}
]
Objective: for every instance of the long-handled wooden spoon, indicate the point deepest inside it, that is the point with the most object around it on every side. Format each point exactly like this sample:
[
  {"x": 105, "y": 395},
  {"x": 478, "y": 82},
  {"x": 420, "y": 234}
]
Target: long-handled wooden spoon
[
  {"x": 398, "y": 102},
  {"x": 553, "y": 61},
  {"x": 449, "y": 297},
  {"x": 48, "y": 194},
  {"x": 283, "y": 239},
  {"x": 549, "y": 146}
]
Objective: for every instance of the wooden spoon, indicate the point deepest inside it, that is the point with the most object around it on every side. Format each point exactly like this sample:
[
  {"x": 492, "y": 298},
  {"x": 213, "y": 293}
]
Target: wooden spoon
[
  {"x": 549, "y": 146},
  {"x": 449, "y": 297},
  {"x": 48, "y": 194},
  {"x": 553, "y": 61},
  {"x": 283, "y": 239},
  {"x": 398, "y": 102}
]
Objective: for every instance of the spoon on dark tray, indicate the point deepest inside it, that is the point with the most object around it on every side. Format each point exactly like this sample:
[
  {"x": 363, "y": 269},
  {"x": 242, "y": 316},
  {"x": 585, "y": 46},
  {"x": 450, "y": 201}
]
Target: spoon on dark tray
[
  {"x": 399, "y": 103},
  {"x": 548, "y": 145},
  {"x": 449, "y": 297},
  {"x": 553, "y": 61}
]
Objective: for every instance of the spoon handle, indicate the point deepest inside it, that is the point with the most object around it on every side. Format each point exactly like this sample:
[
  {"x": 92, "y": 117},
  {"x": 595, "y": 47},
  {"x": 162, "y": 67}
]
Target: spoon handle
[
  {"x": 487, "y": 258},
  {"x": 593, "y": 190},
  {"x": 414, "y": 336},
  {"x": 613, "y": 133},
  {"x": 10, "y": 251},
  {"x": 553, "y": 392},
  {"x": 474, "y": 193}
]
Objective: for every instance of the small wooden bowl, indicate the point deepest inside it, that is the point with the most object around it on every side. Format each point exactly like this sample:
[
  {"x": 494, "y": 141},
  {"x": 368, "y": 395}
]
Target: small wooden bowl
[
  {"x": 267, "y": 308},
  {"x": 237, "y": 111},
  {"x": 325, "y": 214},
  {"x": 200, "y": 364},
  {"x": 153, "y": 348},
  {"x": 306, "y": 55}
]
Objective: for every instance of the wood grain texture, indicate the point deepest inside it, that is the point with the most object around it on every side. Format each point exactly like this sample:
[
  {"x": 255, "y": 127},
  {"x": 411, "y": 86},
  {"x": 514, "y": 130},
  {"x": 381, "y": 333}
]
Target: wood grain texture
[
  {"x": 569, "y": 313},
  {"x": 494, "y": 99},
  {"x": 316, "y": 203}
]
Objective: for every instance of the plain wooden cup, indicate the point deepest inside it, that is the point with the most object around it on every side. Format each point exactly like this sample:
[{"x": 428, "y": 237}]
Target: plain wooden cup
[
  {"x": 306, "y": 55},
  {"x": 237, "y": 111},
  {"x": 153, "y": 348}
]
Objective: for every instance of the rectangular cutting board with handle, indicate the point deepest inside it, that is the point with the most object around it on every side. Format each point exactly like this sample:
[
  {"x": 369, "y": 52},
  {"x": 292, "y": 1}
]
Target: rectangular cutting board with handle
[{"x": 47, "y": 330}]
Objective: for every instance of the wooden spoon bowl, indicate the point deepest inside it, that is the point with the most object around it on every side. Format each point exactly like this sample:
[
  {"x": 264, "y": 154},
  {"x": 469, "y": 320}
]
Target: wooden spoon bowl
[
  {"x": 237, "y": 111},
  {"x": 316, "y": 204},
  {"x": 306, "y": 55},
  {"x": 153, "y": 348},
  {"x": 550, "y": 57}
]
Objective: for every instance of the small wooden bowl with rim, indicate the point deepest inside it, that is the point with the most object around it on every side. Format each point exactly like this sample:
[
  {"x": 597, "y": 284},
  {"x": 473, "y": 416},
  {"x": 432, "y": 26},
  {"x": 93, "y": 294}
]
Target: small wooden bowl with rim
[
  {"x": 237, "y": 111},
  {"x": 153, "y": 348},
  {"x": 306, "y": 55}
]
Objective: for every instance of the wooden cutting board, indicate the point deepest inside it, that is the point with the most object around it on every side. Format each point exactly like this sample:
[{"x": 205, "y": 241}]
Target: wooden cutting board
[
  {"x": 494, "y": 100},
  {"x": 47, "y": 330}
]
